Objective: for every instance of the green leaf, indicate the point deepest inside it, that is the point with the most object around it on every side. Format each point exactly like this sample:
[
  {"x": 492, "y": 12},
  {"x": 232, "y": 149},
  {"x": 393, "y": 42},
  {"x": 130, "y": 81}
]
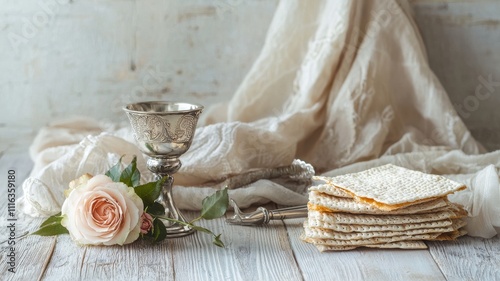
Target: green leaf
[
  {"x": 149, "y": 192},
  {"x": 199, "y": 228},
  {"x": 218, "y": 242},
  {"x": 159, "y": 230},
  {"x": 115, "y": 171},
  {"x": 53, "y": 219},
  {"x": 131, "y": 175},
  {"x": 51, "y": 226},
  {"x": 156, "y": 209},
  {"x": 215, "y": 205}
]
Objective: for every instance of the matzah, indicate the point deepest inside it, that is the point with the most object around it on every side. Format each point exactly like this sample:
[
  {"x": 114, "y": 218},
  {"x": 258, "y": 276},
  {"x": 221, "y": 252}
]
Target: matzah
[
  {"x": 450, "y": 235},
  {"x": 371, "y": 241},
  {"x": 384, "y": 227},
  {"x": 321, "y": 233},
  {"x": 318, "y": 208},
  {"x": 323, "y": 184},
  {"x": 390, "y": 187},
  {"x": 338, "y": 204},
  {"x": 395, "y": 245},
  {"x": 346, "y": 218},
  {"x": 384, "y": 207},
  {"x": 400, "y": 245}
]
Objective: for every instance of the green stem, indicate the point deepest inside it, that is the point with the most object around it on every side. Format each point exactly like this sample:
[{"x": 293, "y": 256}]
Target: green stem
[
  {"x": 190, "y": 224},
  {"x": 174, "y": 220},
  {"x": 195, "y": 220}
]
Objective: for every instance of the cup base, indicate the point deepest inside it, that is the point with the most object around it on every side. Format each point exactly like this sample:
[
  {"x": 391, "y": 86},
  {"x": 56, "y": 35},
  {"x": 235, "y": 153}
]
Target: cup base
[{"x": 176, "y": 230}]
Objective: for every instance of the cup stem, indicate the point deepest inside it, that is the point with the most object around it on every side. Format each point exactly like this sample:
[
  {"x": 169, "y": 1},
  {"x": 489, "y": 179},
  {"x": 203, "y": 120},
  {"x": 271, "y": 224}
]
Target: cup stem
[{"x": 171, "y": 211}]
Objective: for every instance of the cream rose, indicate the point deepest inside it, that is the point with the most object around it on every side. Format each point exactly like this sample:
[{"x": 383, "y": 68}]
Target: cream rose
[{"x": 99, "y": 211}]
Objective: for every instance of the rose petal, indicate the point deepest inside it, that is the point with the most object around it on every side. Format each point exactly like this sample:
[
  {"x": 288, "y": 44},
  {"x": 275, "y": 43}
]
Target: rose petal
[
  {"x": 101, "y": 198},
  {"x": 103, "y": 212}
]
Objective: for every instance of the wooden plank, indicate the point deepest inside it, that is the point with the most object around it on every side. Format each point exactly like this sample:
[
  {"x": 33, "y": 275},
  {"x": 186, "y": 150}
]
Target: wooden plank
[
  {"x": 260, "y": 253},
  {"x": 360, "y": 264},
  {"x": 468, "y": 258},
  {"x": 31, "y": 252},
  {"x": 251, "y": 253},
  {"x": 141, "y": 260}
]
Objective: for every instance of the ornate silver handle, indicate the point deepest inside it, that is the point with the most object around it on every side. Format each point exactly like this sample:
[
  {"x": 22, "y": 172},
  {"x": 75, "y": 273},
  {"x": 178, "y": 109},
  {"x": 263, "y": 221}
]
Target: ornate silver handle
[
  {"x": 263, "y": 215},
  {"x": 298, "y": 170}
]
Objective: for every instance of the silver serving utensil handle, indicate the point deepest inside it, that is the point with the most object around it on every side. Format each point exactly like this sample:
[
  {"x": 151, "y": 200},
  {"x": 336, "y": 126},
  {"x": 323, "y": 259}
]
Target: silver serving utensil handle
[
  {"x": 298, "y": 170},
  {"x": 263, "y": 216}
]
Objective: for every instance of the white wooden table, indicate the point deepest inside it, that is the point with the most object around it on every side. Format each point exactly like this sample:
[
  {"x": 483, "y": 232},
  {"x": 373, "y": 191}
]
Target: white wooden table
[{"x": 272, "y": 252}]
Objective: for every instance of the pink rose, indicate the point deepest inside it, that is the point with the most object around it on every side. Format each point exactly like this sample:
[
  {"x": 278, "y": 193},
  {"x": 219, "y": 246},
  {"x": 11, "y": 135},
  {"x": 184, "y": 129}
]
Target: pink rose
[
  {"x": 147, "y": 223},
  {"x": 99, "y": 211}
]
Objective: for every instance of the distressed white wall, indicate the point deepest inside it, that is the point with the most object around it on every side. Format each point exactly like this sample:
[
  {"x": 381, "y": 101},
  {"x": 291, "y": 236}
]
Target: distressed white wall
[
  {"x": 74, "y": 57},
  {"x": 463, "y": 44},
  {"x": 61, "y": 57}
]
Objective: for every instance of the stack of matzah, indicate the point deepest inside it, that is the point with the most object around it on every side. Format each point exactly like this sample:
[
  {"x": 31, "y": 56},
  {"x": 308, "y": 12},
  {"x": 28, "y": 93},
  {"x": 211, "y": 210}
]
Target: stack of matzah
[{"x": 383, "y": 207}]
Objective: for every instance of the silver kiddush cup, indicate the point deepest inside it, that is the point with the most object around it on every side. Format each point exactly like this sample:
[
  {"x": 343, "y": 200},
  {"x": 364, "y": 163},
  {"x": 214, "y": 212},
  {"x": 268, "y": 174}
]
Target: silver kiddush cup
[{"x": 164, "y": 131}]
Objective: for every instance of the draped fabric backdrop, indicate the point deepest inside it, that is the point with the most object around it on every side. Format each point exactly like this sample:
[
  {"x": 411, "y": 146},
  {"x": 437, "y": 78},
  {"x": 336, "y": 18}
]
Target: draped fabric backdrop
[{"x": 336, "y": 83}]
